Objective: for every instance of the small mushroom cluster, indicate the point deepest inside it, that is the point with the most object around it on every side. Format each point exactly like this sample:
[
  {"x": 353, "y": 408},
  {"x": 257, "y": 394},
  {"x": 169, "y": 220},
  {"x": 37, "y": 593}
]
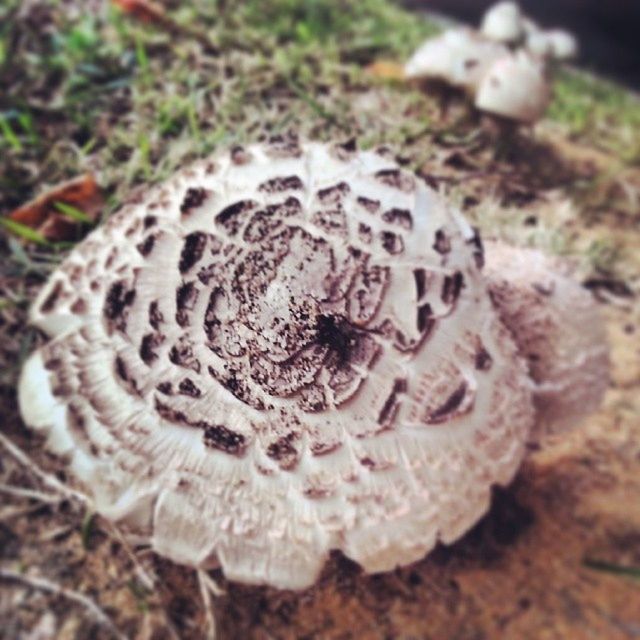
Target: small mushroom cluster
[
  {"x": 293, "y": 348},
  {"x": 504, "y": 66}
]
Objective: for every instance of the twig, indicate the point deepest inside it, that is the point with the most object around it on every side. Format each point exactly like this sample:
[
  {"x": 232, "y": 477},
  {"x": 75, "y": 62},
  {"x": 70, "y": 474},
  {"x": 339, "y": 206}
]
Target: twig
[
  {"x": 208, "y": 587},
  {"x": 51, "y": 587},
  {"x": 19, "y": 492},
  {"x": 17, "y": 512},
  {"x": 58, "y": 532},
  {"x": 50, "y": 480},
  {"x": 67, "y": 492},
  {"x": 148, "y": 578},
  {"x": 212, "y": 585}
]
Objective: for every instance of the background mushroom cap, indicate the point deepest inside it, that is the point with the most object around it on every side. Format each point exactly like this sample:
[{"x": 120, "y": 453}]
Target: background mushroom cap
[
  {"x": 515, "y": 87},
  {"x": 283, "y": 350},
  {"x": 556, "y": 44},
  {"x": 503, "y": 22},
  {"x": 539, "y": 44},
  {"x": 459, "y": 57},
  {"x": 564, "y": 45},
  {"x": 558, "y": 329}
]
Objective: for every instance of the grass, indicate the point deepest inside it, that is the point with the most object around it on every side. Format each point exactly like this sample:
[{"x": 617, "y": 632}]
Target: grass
[
  {"x": 9, "y": 134},
  {"x": 613, "y": 569},
  {"x": 133, "y": 101},
  {"x": 136, "y": 100},
  {"x": 598, "y": 112},
  {"x": 72, "y": 212},
  {"x": 23, "y": 231}
]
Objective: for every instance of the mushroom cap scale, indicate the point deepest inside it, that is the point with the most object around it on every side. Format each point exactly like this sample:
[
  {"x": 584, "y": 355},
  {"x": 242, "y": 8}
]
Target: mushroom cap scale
[{"x": 283, "y": 350}]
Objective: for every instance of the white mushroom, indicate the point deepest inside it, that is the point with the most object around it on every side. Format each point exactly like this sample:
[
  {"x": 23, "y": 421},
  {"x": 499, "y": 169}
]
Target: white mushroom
[
  {"x": 459, "y": 57},
  {"x": 503, "y": 22},
  {"x": 555, "y": 44},
  {"x": 564, "y": 45},
  {"x": 284, "y": 350},
  {"x": 515, "y": 87},
  {"x": 558, "y": 329},
  {"x": 538, "y": 43}
]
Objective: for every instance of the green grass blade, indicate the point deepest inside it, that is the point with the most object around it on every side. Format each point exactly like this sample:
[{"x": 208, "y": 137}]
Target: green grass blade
[
  {"x": 27, "y": 233},
  {"x": 9, "y": 134},
  {"x": 86, "y": 528},
  {"x": 72, "y": 212},
  {"x": 610, "y": 567}
]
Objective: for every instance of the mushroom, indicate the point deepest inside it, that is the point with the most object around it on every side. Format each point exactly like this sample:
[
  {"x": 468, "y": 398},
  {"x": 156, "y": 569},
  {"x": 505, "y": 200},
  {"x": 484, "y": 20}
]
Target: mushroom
[
  {"x": 503, "y": 22},
  {"x": 515, "y": 87},
  {"x": 459, "y": 57},
  {"x": 555, "y": 44},
  {"x": 506, "y": 81},
  {"x": 284, "y": 350},
  {"x": 558, "y": 329}
]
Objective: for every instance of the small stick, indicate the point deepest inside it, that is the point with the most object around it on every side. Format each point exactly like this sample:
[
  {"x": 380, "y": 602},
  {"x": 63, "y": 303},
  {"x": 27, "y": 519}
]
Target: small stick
[
  {"x": 51, "y": 587},
  {"x": 55, "y": 484},
  {"x": 19, "y": 492},
  {"x": 50, "y": 480},
  {"x": 147, "y": 577},
  {"x": 212, "y": 585},
  {"x": 207, "y": 588},
  {"x": 17, "y": 512}
]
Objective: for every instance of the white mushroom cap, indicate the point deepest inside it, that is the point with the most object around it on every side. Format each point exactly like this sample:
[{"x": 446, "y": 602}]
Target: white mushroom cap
[
  {"x": 459, "y": 57},
  {"x": 556, "y": 44},
  {"x": 564, "y": 44},
  {"x": 515, "y": 87},
  {"x": 503, "y": 22},
  {"x": 539, "y": 44},
  {"x": 284, "y": 350},
  {"x": 557, "y": 327}
]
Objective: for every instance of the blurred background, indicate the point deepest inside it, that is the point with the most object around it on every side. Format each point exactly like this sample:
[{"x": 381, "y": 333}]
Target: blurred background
[{"x": 608, "y": 30}]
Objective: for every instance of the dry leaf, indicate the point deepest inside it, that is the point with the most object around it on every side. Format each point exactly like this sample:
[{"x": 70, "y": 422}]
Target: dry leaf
[
  {"x": 151, "y": 12},
  {"x": 386, "y": 70},
  {"x": 57, "y": 213},
  {"x": 143, "y": 10}
]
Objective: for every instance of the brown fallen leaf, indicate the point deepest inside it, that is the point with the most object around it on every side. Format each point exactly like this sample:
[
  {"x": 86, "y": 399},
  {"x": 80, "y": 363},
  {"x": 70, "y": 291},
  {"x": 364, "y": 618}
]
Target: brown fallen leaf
[
  {"x": 57, "y": 213},
  {"x": 144, "y": 10},
  {"x": 386, "y": 70},
  {"x": 154, "y": 13}
]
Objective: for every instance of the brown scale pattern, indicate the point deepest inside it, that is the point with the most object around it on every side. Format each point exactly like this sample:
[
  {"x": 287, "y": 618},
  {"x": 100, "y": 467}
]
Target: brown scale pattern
[
  {"x": 317, "y": 338},
  {"x": 315, "y": 351}
]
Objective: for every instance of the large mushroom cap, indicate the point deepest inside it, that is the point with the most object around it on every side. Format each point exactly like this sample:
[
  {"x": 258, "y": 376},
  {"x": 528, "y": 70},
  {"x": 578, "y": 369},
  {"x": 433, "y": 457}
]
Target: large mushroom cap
[
  {"x": 515, "y": 87},
  {"x": 558, "y": 329},
  {"x": 284, "y": 350},
  {"x": 503, "y": 22},
  {"x": 459, "y": 57}
]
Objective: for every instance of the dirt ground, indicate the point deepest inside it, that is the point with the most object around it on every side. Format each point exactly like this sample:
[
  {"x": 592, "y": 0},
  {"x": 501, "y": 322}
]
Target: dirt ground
[{"x": 557, "y": 556}]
